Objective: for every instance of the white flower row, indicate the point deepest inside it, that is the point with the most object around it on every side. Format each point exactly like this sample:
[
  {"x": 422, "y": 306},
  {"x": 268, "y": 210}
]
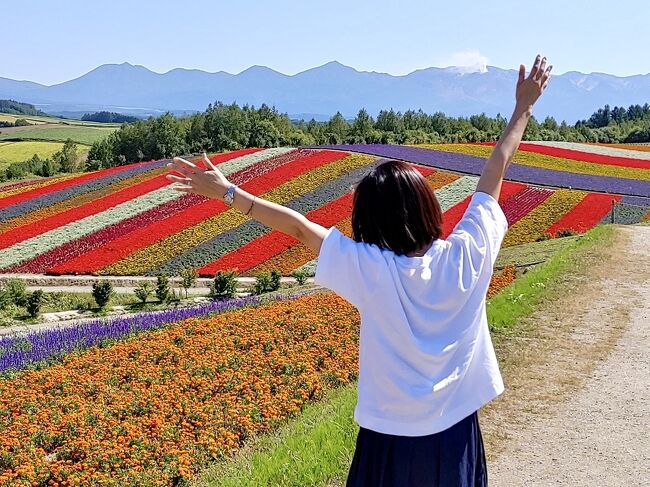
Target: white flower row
[{"x": 596, "y": 149}]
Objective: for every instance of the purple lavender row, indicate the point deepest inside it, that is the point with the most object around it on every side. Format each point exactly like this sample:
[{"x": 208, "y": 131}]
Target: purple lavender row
[
  {"x": 18, "y": 351},
  {"x": 75, "y": 190},
  {"x": 516, "y": 172}
]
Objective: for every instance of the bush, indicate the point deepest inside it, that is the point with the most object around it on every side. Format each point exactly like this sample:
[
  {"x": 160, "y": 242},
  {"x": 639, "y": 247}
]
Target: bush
[
  {"x": 224, "y": 285},
  {"x": 546, "y": 236},
  {"x": 300, "y": 275},
  {"x": 266, "y": 282},
  {"x": 16, "y": 292},
  {"x": 34, "y": 302},
  {"x": 21, "y": 122},
  {"x": 565, "y": 232},
  {"x": 144, "y": 289},
  {"x": 188, "y": 278},
  {"x": 102, "y": 292},
  {"x": 162, "y": 287}
]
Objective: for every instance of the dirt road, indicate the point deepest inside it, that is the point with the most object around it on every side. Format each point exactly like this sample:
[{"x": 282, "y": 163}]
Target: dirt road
[{"x": 580, "y": 414}]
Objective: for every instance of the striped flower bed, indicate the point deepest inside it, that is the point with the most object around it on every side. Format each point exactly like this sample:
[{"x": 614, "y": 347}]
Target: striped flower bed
[{"x": 127, "y": 221}]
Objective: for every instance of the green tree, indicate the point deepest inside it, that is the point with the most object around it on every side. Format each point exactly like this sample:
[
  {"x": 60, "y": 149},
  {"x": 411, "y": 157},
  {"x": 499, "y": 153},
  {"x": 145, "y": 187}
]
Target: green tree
[
  {"x": 143, "y": 291},
  {"x": 34, "y": 302},
  {"x": 224, "y": 285},
  {"x": 188, "y": 278},
  {"x": 102, "y": 292},
  {"x": 162, "y": 287}
]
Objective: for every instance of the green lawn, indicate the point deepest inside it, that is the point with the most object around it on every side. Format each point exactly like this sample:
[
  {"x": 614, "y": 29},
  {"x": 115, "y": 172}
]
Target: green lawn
[
  {"x": 533, "y": 253},
  {"x": 10, "y": 117},
  {"x": 316, "y": 448}
]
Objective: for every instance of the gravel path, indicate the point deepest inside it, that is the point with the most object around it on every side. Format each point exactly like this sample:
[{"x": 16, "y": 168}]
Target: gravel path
[{"x": 599, "y": 434}]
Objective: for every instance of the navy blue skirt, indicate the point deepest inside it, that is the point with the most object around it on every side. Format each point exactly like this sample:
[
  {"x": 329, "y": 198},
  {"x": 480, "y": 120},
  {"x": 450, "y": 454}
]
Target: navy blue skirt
[{"x": 451, "y": 458}]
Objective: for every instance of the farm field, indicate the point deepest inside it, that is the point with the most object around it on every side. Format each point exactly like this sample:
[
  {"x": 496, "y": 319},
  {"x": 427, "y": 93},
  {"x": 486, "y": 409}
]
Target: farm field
[
  {"x": 127, "y": 221},
  {"x": 23, "y": 150},
  {"x": 85, "y": 135}
]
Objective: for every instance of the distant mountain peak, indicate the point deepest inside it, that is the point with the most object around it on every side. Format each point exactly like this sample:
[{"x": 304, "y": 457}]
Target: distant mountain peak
[{"x": 323, "y": 90}]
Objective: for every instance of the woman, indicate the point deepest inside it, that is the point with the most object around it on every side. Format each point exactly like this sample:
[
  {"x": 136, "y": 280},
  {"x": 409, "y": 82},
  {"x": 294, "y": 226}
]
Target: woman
[{"x": 426, "y": 361}]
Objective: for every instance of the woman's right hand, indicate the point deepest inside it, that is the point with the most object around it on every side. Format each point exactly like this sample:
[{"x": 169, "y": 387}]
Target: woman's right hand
[{"x": 529, "y": 89}]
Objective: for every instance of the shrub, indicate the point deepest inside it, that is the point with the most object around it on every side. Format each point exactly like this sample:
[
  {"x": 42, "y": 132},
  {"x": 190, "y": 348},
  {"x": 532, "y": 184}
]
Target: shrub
[
  {"x": 162, "y": 287},
  {"x": 224, "y": 285},
  {"x": 565, "y": 232},
  {"x": 16, "y": 292},
  {"x": 266, "y": 282},
  {"x": 34, "y": 302},
  {"x": 300, "y": 275},
  {"x": 144, "y": 289},
  {"x": 188, "y": 278},
  {"x": 102, "y": 292},
  {"x": 545, "y": 236}
]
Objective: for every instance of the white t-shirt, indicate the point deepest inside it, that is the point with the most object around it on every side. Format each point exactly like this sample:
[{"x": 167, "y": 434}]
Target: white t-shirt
[{"x": 426, "y": 359}]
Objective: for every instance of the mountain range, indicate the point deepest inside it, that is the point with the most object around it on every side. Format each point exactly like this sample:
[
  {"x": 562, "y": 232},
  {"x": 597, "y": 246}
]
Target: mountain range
[{"x": 322, "y": 91}]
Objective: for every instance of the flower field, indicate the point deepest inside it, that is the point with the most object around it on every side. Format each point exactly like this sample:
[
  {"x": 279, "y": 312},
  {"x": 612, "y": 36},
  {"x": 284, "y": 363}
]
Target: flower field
[
  {"x": 152, "y": 399},
  {"x": 128, "y": 221}
]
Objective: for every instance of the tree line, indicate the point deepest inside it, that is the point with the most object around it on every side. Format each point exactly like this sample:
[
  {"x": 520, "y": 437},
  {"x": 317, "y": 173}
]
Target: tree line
[{"x": 229, "y": 126}]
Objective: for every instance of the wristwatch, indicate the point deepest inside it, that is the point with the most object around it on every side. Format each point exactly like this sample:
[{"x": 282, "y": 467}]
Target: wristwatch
[{"x": 230, "y": 194}]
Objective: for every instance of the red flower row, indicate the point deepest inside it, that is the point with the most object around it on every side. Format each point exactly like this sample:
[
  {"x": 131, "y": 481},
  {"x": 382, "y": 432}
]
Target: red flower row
[{"x": 586, "y": 214}]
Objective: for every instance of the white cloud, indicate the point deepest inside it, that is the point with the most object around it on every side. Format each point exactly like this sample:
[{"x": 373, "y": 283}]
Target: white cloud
[{"x": 468, "y": 61}]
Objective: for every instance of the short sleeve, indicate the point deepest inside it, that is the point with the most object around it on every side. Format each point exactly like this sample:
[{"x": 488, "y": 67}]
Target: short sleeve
[
  {"x": 347, "y": 267},
  {"x": 476, "y": 239}
]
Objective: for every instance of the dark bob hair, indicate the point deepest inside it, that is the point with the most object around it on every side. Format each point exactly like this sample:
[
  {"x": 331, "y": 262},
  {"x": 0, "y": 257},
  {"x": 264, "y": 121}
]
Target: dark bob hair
[{"x": 395, "y": 208}]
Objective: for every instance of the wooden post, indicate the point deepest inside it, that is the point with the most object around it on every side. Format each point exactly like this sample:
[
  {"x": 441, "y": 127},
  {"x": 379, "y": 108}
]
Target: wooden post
[{"x": 613, "y": 210}]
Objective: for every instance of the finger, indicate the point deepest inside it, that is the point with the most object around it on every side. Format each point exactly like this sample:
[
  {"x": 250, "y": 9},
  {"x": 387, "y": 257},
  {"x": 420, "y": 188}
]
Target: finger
[
  {"x": 522, "y": 72},
  {"x": 185, "y": 171},
  {"x": 542, "y": 69},
  {"x": 208, "y": 162},
  {"x": 546, "y": 83},
  {"x": 171, "y": 177},
  {"x": 535, "y": 68},
  {"x": 183, "y": 189},
  {"x": 547, "y": 74},
  {"x": 181, "y": 161},
  {"x": 184, "y": 168}
]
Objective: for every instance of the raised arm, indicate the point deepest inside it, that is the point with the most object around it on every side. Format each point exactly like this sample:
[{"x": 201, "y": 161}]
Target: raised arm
[
  {"x": 528, "y": 91},
  {"x": 212, "y": 183}
]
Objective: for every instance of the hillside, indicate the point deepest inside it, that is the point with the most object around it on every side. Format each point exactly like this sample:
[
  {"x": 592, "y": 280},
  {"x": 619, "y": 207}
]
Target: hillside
[{"x": 127, "y": 220}]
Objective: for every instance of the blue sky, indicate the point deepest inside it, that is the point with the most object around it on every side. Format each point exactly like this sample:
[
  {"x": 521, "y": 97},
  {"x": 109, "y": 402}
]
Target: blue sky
[{"x": 52, "y": 41}]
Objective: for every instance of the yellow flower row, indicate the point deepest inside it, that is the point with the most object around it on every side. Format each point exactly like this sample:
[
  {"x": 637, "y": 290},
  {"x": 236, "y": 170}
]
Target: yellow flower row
[
  {"x": 141, "y": 261},
  {"x": 38, "y": 183},
  {"x": 535, "y": 223},
  {"x": 548, "y": 162}
]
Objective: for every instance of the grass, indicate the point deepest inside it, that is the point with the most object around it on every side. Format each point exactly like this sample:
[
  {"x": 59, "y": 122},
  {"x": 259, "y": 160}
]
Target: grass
[
  {"x": 21, "y": 151},
  {"x": 81, "y": 134},
  {"x": 316, "y": 448}
]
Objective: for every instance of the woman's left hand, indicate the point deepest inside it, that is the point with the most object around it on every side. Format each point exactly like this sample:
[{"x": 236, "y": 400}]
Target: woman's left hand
[{"x": 208, "y": 182}]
